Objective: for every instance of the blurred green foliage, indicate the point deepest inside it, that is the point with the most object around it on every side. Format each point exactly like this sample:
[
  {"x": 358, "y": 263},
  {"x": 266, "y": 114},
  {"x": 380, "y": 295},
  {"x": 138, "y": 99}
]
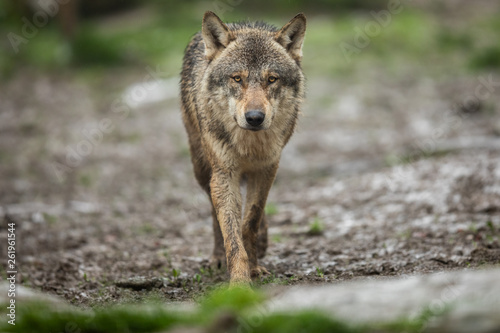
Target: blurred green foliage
[
  {"x": 158, "y": 35},
  {"x": 222, "y": 310},
  {"x": 486, "y": 58},
  {"x": 92, "y": 48}
]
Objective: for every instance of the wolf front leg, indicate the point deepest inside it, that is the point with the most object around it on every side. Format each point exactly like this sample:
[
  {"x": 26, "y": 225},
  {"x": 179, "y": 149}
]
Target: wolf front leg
[
  {"x": 218, "y": 259},
  {"x": 226, "y": 199},
  {"x": 259, "y": 184}
]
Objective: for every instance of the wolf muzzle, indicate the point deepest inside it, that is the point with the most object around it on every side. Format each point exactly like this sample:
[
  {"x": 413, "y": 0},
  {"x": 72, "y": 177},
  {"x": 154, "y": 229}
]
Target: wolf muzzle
[{"x": 254, "y": 118}]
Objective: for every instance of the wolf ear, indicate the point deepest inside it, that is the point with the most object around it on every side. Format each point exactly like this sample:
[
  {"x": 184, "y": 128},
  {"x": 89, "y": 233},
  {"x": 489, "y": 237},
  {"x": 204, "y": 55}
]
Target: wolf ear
[
  {"x": 291, "y": 36},
  {"x": 216, "y": 34}
]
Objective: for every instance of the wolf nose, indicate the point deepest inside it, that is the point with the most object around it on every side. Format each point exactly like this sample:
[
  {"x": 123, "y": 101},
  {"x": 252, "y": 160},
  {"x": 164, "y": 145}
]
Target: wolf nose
[{"x": 255, "y": 118}]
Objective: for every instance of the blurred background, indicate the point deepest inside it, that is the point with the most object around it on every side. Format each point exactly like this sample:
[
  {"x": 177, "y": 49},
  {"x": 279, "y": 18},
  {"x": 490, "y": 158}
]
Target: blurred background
[
  {"x": 94, "y": 160},
  {"x": 387, "y": 79},
  {"x": 441, "y": 36}
]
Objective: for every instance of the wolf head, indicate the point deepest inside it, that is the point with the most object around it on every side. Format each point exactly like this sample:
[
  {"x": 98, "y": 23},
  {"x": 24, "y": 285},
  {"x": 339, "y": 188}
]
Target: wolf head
[{"x": 253, "y": 74}]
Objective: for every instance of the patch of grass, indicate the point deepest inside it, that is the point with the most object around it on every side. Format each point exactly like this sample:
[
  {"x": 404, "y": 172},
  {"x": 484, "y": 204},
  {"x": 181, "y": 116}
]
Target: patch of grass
[
  {"x": 133, "y": 138},
  {"x": 405, "y": 235},
  {"x": 325, "y": 101},
  {"x": 183, "y": 151},
  {"x": 319, "y": 272},
  {"x": 411, "y": 157},
  {"x": 236, "y": 299},
  {"x": 158, "y": 41},
  {"x": 276, "y": 238},
  {"x": 486, "y": 58},
  {"x": 304, "y": 322},
  {"x": 238, "y": 305},
  {"x": 176, "y": 273},
  {"x": 450, "y": 39},
  {"x": 85, "y": 180},
  {"x": 147, "y": 228},
  {"x": 207, "y": 272},
  {"x": 316, "y": 227},
  {"x": 50, "y": 219},
  {"x": 271, "y": 209},
  {"x": 4, "y": 156},
  {"x": 398, "y": 46},
  {"x": 491, "y": 226},
  {"x": 93, "y": 48},
  {"x": 272, "y": 279},
  {"x": 472, "y": 228},
  {"x": 416, "y": 324},
  {"x": 40, "y": 318},
  {"x": 403, "y": 325},
  {"x": 47, "y": 51},
  {"x": 29, "y": 128},
  {"x": 197, "y": 278},
  {"x": 392, "y": 160}
]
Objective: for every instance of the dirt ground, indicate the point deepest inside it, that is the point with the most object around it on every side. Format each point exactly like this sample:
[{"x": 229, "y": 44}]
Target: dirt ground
[{"x": 385, "y": 176}]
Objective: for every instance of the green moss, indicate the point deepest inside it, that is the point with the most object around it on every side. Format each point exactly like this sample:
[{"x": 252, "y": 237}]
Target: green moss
[
  {"x": 302, "y": 322},
  {"x": 234, "y": 299},
  {"x": 85, "y": 180},
  {"x": 243, "y": 307},
  {"x": 40, "y": 318},
  {"x": 486, "y": 58},
  {"x": 90, "y": 47},
  {"x": 451, "y": 39}
]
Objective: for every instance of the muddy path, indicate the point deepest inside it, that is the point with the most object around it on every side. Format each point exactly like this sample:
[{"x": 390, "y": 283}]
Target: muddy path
[{"x": 374, "y": 183}]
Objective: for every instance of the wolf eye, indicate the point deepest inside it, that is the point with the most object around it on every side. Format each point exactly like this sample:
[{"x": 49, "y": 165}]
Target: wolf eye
[
  {"x": 272, "y": 79},
  {"x": 237, "y": 78}
]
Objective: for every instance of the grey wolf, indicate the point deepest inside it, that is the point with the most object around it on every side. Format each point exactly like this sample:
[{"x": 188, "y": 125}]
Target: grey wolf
[{"x": 242, "y": 87}]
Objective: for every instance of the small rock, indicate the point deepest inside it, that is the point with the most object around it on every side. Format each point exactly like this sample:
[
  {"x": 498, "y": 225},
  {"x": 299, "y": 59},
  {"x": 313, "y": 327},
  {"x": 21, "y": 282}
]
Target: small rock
[
  {"x": 26, "y": 294},
  {"x": 37, "y": 218},
  {"x": 83, "y": 207},
  {"x": 301, "y": 251},
  {"x": 140, "y": 283},
  {"x": 472, "y": 297}
]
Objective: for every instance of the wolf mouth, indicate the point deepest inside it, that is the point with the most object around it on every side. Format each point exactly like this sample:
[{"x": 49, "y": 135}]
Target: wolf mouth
[{"x": 253, "y": 128}]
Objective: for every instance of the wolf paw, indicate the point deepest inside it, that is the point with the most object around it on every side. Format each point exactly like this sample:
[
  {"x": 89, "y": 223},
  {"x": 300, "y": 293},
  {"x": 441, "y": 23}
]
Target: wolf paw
[
  {"x": 218, "y": 262},
  {"x": 259, "y": 271}
]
